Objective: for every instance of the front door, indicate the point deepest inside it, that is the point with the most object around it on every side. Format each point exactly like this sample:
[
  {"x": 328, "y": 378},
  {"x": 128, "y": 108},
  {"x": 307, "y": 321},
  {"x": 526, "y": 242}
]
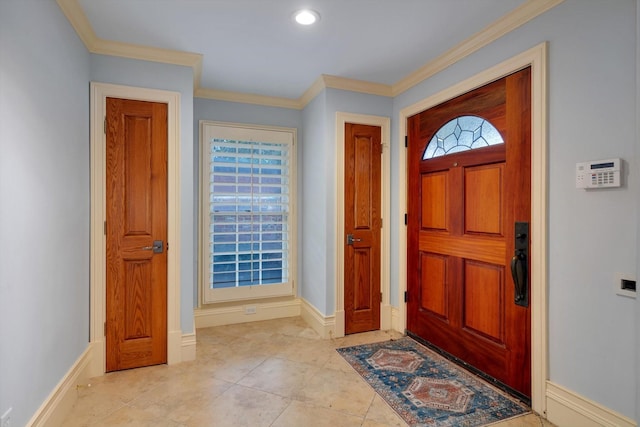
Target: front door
[
  {"x": 469, "y": 184},
  {"x": 136, "y": 233},
  {"x": 362, "y": 223}
]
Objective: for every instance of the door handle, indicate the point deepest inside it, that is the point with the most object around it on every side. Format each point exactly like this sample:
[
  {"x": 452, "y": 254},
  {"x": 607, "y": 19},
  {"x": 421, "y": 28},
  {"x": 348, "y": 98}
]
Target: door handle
[
  {"x": 157, "y": 248},
  {"x": 519, "y": 263},
  {"x": 351, "y": 239}
]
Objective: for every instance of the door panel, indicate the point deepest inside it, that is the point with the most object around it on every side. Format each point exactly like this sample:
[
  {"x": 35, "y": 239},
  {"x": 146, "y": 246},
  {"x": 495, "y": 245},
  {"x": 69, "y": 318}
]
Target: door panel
[
  {"x": 483, "y": 294},
  {"x": 363, "y": 298},
  {"x": 362, "y": 221},
  {"x": 433, "y": 292},
  {"x": 483, "y": 199},
  {"x": 136, "y": 216},
  {"x": 460, "y": 234},
  {"x": 434, "y": 207}
]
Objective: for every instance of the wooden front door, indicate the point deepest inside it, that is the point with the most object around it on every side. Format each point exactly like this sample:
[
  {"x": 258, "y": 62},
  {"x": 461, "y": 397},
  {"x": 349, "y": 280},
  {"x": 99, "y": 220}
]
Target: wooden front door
[
  {"x": 136, "y": 234},
  {"x": 363, "y": 151},
  {"x": 462, "y": 210}
]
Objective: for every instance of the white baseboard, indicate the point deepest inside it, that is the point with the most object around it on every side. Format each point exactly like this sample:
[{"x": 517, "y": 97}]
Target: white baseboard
[
  {"x": 567, "y": 408},
  {"x": 325, "y": 326},
  {"x": 207, "y": 317},
  {"x": 174, "y": 347},
  {"x": 189, "y": 347},
  {"x": 57, "y": 405},
  {"x": 385, "y": 317},
  {"x": 395, "y": 319},
  {"x": 339, "y": 327}
]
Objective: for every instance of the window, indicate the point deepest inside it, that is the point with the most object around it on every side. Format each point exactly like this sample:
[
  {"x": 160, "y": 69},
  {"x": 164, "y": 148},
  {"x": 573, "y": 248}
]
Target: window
[
  {"x": 248, "y": 211},
  {"x": 462, "y": 134}
]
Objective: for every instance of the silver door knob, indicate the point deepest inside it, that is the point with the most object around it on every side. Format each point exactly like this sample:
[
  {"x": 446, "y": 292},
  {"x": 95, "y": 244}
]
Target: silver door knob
[{"x": 351, "y": 239}]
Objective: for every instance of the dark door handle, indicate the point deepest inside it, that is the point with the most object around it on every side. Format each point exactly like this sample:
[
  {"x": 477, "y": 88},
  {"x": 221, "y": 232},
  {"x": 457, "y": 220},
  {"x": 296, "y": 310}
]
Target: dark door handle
[
  {"x": 351, "y": 239},
  {"x": 158, "y": 246},
  {"x": 519, "y": 263},
  {"x": 519, "y": 274}
]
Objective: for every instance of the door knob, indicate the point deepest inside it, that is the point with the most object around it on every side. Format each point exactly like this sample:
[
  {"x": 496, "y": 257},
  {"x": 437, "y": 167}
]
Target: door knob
[
  {"x": 351, "y": 239},
  {"x": 157, "y": 248}
]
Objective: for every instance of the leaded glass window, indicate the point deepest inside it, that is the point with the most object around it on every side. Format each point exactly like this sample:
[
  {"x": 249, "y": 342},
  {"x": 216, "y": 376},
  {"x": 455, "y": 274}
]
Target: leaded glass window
[{"x": 461, "y": 134}]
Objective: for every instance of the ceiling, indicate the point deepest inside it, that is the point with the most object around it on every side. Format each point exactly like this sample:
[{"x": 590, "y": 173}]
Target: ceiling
[{"x": 255, "y": 47}]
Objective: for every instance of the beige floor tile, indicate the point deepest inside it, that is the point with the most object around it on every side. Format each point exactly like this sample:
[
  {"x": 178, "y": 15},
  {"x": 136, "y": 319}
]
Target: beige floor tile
[
  {"x": 239, "y": 407},
  {"x": 299, "y": 414},
  {"x": 178, "y": 398},
  {"x": 528, "y": 420},
  {"x": 134, "y": 417},
  {"x": 337, "y": 390},
  {"x": 381, "y": 414},
  {"x": 276, "y": 373},
  {"x": 280, "y": 376},
  {"x": 337, "y": 363}
]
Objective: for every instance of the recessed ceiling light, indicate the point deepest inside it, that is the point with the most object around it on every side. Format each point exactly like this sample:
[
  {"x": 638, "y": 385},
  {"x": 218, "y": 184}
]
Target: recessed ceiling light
[{"x": 306, "y": 16}]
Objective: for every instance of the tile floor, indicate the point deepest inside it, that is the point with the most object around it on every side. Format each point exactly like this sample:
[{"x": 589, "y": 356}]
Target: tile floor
[{"x": 274, "y": 373}]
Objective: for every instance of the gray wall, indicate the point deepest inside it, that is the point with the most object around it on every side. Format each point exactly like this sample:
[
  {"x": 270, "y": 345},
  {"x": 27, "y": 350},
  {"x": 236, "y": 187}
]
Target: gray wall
[
  {"x": 44, "y": 202},
  {"x": 313, "y": 216},
  {"x": 131, "y": 72},
  {"x": 592, "y": 234},
  {"x": 44, "y": 190}
]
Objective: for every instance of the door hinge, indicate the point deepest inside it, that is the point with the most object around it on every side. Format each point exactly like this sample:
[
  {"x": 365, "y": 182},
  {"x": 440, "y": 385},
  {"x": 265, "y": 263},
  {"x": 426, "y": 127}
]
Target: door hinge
[
  {"x": 381, "y": 222},
  {"x": 406, "y": 141},
  {"x": 105, "y": 329},
  {"x": 380, "y": 296},
  {"x": 104, "y": 129},
  {"x": 405, "y": 219},
  {"x": 406, "y": 296},
  {"x": 105, "y": 228}
]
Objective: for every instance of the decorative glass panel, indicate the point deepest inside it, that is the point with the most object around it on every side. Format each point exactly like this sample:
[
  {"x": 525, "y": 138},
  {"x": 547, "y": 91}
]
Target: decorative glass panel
[{"x": 462, "y": 134}]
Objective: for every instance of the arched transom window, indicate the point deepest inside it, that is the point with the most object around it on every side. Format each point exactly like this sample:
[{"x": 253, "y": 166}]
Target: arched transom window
[{"x": 461, "y": 134}]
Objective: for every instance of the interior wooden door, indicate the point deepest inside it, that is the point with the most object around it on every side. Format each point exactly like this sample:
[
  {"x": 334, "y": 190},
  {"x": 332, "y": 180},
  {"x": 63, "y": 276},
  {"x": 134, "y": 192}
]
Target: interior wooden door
[
  {"x": 462, "y": 207},
  {"x": 136, "y": 233},
  {"x": 362, "y": 201}
]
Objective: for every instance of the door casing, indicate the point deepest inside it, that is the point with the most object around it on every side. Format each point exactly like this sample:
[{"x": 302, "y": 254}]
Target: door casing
[
  {"x": 385, "y": 128},
  {"x": 97, "y": 306},
  {"x": 535, "y": 57}
]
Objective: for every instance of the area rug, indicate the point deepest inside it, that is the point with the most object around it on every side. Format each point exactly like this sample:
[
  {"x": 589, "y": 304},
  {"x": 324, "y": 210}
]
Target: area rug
[{"x": 425, "y": 389}]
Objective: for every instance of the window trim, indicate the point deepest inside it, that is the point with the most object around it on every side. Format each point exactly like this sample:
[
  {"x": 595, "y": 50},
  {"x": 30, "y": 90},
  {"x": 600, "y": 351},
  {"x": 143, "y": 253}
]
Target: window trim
[{"x": 214, "y": 296}]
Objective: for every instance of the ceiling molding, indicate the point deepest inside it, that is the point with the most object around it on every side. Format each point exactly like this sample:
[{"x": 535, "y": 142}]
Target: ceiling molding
[
  {"x": 504, "y": 25},
  {"x": 247, "y": 98},
  {"x": 353, "y": 85},
  {"x": 489, "y": 34},
  {"x": 316, "y": 87},
  {"x": 79, "y": 22}
]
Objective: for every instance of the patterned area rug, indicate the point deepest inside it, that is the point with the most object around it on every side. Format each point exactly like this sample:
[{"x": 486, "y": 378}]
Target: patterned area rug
[{"x": 425, "y": 389}]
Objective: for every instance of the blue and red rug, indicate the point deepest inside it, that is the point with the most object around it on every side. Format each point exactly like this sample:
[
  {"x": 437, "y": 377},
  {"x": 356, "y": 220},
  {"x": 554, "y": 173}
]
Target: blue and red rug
[{"x": 425, "y": 389}]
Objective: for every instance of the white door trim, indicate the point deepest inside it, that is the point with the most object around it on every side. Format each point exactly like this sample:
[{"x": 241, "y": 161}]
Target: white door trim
[
  {"x": 385, "y": 129},
  {"x": 536, "y": 57},
  {"x": 99, "y": 93}
]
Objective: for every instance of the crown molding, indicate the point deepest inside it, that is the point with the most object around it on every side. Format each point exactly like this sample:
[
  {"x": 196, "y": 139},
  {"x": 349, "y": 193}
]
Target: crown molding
[
  {"x": 504, "y": 25},
  {"x": 316, "y": 87},
  {"x": 353, "y": 85},
  {"x": 79, "y": 22},
  {"x": 509, "y": 22},
  {"x": 145, "y": 53},
  {"x": 247, "y": 98}
]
